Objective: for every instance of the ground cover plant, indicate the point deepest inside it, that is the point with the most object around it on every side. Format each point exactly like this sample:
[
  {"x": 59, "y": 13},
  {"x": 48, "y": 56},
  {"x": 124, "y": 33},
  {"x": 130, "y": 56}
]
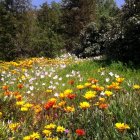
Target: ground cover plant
[{"x": 68, "y": 99}]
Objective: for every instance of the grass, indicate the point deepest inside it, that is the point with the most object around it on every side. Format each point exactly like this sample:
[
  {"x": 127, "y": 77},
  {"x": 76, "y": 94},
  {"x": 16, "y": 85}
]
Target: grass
[{"x": 37, "y": 92}]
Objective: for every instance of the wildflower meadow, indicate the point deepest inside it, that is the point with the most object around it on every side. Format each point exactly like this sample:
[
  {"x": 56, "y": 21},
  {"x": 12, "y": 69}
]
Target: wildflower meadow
[{"x": 67, "y": 98}]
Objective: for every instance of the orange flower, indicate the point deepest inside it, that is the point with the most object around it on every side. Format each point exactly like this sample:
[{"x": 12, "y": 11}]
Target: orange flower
[
  {"x": 71, "y": 82},
  {"x": 19, "y": 97},
  {"x": 80, "y": 132},
  {"x": 103, "y": 106},
  {"x": 71, "y": 96},
  {"x": 97, "y": 88},
  {"x": 49, "y": 104},
  {"x": 5, "y": 87},
  {"x": 92, "y": 80},
  {"x": 7, "y": 93},
  {"x": 20, "y": 86}
]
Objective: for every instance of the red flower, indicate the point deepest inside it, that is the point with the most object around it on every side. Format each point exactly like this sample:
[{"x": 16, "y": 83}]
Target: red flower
[
  {"x": 49, "y": 104},
  {"x": 71, "y": 96},
  {"x": 71, "y": 82},
  {"x": 103, "y": 106},
  {"x": 80, "y": 132},
  {"x": 20, "y": 86}
]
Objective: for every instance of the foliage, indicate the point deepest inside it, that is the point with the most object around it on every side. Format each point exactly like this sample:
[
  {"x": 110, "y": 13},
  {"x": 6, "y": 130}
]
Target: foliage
[
  {"x": 14, "y": 35},
  {"x": 47, "y": 40},
  {"x": 90, "y": 42},
  {"x": 76, "y": 15},
  {"x": 23, "y": 36},
  {"x": 124, "y": 40}
]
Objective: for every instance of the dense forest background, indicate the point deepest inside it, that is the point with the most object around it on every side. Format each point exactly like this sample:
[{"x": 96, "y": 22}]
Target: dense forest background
[{"x": 86, "y": 28}]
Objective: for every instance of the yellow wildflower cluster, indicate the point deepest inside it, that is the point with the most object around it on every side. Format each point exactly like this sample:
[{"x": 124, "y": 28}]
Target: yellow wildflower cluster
[
  {"x": 84, "y": 105},
  {"x": 14, "y": 126},
  {"x": 90, "y": 94},
  {"x": 34, "y": 136}
]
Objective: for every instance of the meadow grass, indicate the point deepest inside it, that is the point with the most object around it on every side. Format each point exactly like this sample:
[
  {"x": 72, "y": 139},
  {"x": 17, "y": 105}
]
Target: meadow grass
[{"x": 81, "y": 99}]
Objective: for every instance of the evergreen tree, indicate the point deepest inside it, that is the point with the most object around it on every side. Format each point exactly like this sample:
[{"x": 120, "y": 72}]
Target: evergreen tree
[
  {"x": 15, "y": 25},
  {"x": 76, "y": 15},
  {"x": 49, "y": 41}
]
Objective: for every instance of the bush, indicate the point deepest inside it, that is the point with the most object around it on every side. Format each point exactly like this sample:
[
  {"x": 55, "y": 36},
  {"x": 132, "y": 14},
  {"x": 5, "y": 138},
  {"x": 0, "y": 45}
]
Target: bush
[{"x": 91, "y": 42}]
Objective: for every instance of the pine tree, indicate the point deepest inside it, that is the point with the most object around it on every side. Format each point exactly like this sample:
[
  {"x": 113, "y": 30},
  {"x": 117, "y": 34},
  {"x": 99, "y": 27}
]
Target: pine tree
[
  {"x": 76, "y": 15},
  {"x": 15, "y": 26}
]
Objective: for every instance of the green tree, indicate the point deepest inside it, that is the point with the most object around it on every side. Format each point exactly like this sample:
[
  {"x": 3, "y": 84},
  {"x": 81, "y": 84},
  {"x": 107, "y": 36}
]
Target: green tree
[
  {"x": 76, "y": 15},
  {"x": 124, "y": 39},
  {"x": 48, "y": 40},
  {"x": 14, "y": 29}
]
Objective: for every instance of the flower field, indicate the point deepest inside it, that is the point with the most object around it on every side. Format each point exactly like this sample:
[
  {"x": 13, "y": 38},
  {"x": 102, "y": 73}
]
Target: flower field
[{"x": 68, "y": 99}]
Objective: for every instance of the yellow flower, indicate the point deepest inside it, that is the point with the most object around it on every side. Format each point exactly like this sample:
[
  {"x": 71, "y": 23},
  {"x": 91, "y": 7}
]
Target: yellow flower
[
  {"x": 60, "y": 129},
  {"x": 0, "y": 114},
  {"x": 27, "y": 138},
  {"x": 37, "y": 109},
  {"x": 69, "y": 109},
  {"x": 28, "y": 105},
  {"x": 24, "y": 109},
  {"x": 62, "y": 95},
  {"x": 35, "y": 136},
  {"x": 55, "y": 138},
  {"x": 119, "y": 79},
  {"x": 14, "y": 126},
  {"x": 47, "y": 133},
  {"x": 61, "y": 103},
  {"x": 97, "y": 88},
  {"x": 53, "y": 100},
  {"x": 121, "y": 126},
  {"x": 102, "y": 99},
  {"x": 49, "y": 91},
  {"x": 87, "y": 84},
  {"x": 136, "y": 87},
  {"x": 20, "y": 103},
  {"x": 67, "y": 92},
  {"x": 108, "y": 93},
  {"x": 80, "y": 87},
  {"x": 90, "y": 94},
  {"x": 50, "y": 126},
  {"x": 84, "y": 105}
]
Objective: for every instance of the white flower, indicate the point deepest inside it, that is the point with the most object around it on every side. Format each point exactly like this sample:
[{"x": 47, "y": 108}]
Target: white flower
[
  {"x": 31, "y": 88},
  {"x": 81, "y": 79},
  {"x": 56, "y": 83},
  {"x": 117, "y": 76},
  {"x": 56, "y": 95},
  {"x": 2, "y": 79},
  {"x": 102, "y": 93},
  {"x": 60, "y": 79},
  {"x": 36, "y": 83},
  {"x": 102, "y": 73},
  {"x": 107, "y": 79},
  {"x": 42, "y": 76},
  {"x": 67, "y": 75},
  {"x": 111, "y": 74},
  {"x": 55, "y": 77},
  {"x": 63, "y": 84},
  {"x": 28, "y": 91}
]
